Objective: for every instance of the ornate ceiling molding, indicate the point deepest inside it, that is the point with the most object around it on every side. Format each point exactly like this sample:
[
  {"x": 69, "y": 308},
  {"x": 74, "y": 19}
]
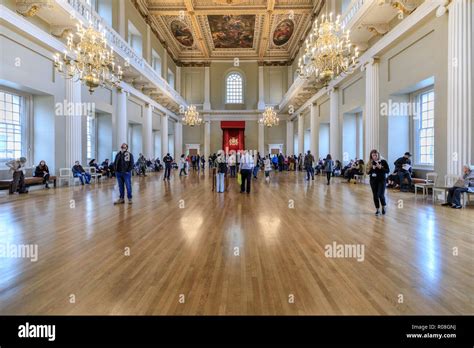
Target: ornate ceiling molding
[
  {"x": 376, "y": 28},
  {"x": 269, "y": 16},
  {"x": 29, "y": 8}
]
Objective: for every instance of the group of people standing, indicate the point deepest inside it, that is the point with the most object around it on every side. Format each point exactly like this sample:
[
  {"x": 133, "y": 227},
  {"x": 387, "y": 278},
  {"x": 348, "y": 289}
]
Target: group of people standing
[{"x": 245, "y": 166}]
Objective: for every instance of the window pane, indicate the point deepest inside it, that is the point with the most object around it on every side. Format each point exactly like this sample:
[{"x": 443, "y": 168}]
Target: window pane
[
  {"x": 234, "y": 86},
  {"x": 425, "y": 128},
  {"x": 10, "y": 126}
]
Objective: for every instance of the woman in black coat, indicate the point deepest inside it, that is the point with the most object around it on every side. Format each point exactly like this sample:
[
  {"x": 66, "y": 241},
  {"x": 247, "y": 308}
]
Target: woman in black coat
[
  {"x": 42, "y": 171},
  {"x": 377, "y": 169}
]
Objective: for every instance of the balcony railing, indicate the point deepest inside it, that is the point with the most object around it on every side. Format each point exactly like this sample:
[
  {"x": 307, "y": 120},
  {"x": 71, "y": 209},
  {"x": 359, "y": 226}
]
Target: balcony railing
[
  {"x": 81, "y": 10},
  {"x": 354, "y": 7}
]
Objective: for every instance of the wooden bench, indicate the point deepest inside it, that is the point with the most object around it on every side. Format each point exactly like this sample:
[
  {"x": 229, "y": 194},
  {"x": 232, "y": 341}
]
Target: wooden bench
[{"x": 29, "y": 181}]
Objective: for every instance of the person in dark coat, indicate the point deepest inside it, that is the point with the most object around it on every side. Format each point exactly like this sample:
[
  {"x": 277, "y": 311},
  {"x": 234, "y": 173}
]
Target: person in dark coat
[
  {"x": 123, "y": 166},
  {"x": 168, "y": 160},
  {"x": 403, "y": 169},
  {"x": 377, "y": 169},
  {"x": 42, "y": 171}
]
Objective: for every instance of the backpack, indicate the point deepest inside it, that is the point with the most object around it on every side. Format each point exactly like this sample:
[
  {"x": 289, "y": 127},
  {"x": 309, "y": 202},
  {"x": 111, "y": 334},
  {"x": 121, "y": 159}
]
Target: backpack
[{"x": 222, "y": 167}]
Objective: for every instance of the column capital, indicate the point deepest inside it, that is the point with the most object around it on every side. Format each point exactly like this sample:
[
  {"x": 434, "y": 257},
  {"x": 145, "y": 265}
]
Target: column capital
[
  {"x": 373, "y": 60},
  {"x": 443, "y": 8}
]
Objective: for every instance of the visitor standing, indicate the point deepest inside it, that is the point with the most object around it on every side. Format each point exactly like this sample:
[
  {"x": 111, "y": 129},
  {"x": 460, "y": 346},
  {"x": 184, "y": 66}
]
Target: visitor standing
[
  {"x": 328, "y": 167},
  {"x": 17, "y": 168},
  {"x": 182, "y": 166},
  {"x": 123, "y": 166},
  {"x": 308, "y": 165},
  {"x": 246, "y": 166},
  {"x": 168, "y": 160},
  {"x": 377, "y": 169},
  {"x": 221, "y": 166},
  {"x": 267, "y": 167}
]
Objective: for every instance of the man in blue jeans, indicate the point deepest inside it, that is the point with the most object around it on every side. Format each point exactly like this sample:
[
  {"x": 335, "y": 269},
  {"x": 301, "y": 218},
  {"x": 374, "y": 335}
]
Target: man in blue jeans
[
  {"x": 79, "y": 172},
  {"x": 123, "y": 165}
]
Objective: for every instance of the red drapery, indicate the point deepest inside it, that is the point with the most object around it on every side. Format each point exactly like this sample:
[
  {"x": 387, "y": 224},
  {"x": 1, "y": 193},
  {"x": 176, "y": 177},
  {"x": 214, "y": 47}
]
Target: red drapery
[{"x": 233, "y": 137}]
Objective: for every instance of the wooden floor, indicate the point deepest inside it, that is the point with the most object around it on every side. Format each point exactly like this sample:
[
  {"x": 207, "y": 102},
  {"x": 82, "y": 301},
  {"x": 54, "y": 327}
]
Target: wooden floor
[{"x": 190, "y": 250}]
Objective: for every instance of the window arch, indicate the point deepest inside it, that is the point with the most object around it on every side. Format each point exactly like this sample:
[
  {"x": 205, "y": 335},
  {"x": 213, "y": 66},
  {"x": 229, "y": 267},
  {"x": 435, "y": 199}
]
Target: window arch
[{"x": 234, "y": 88}]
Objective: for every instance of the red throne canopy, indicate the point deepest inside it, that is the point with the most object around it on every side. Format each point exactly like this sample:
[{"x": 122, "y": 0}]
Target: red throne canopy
[{"x": 233, "y": 135}]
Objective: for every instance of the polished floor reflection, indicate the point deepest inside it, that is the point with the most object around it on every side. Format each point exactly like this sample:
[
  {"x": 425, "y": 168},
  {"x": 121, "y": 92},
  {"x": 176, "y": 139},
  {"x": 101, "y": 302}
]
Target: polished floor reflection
[{"x": 183, "y": 249}]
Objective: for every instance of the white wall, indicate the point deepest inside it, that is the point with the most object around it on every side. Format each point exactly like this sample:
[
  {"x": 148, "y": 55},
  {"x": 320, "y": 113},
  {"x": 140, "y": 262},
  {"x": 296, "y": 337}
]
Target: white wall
[
  {"x": 135, "y": 139},
  {"x": 44, "y": 127},
  {"x": 323, "y": 140},
  {"x": 104, "y": 137},
  {"x": 349, "y": 137}
]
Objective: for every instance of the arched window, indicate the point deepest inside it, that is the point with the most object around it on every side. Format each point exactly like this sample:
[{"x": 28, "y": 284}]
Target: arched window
[{"x": 234, "y": 89}]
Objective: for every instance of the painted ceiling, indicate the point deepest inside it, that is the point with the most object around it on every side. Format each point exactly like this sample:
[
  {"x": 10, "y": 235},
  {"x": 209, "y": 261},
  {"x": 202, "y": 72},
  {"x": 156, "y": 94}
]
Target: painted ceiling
[{"x": 205, "y": 30}]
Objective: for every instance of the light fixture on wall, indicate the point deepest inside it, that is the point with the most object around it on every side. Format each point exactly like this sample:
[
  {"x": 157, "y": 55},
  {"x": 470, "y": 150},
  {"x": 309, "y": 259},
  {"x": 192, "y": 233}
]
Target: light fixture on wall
[
  {"x": 269, "y": 117},
  {"x": 328, "y": 52},
  {"x": 191, "y": 117},
  {"x": 88, "y": 59}
]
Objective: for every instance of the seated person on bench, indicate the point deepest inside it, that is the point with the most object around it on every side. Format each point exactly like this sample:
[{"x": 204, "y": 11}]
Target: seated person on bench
[
  {"x": 17, "y": 168},
  {"x": 80, "y": 173},
  {"x": 105, "y": 167},
  {"x": 42, "y": 171},
  {"x": 357, "y": 169},
  {"x": 94, "y": 164},
  {"x": 403, "y": 168},
  {"x": 392, "y": 180},
  {"x": 464, "y": 184}
]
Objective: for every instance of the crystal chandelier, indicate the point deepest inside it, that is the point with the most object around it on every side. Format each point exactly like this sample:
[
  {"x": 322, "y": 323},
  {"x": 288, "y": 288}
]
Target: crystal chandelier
[
  {"x": 191, "y": 117},
  {"x": 328, "y": 52},
  {"x": 269, "y": 117},
  {"x": 88, "y": 58}
]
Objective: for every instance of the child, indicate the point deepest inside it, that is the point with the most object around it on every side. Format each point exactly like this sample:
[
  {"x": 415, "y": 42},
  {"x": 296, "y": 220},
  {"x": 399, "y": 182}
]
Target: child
[{"x": 268, "y": 168}]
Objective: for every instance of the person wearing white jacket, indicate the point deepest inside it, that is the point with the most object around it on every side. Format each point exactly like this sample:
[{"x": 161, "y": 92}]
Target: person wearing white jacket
[
  {"x": 232, "y": 165},
  {"x": 267, "y": 167},
  {"x": 221, "y": 165},
  {"x": 246, "y": 166},
  {"x": 182, "y": 166}
]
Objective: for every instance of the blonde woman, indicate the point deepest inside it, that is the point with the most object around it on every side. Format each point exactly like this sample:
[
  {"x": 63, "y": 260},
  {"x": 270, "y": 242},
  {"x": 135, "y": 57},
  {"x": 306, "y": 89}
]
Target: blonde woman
[{"x": 377, "y": 169}]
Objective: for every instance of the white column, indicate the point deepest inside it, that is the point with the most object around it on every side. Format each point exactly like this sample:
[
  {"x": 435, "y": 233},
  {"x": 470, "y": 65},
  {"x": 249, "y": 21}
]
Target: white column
[
  {"x": 73, "y": 123},
  {"x": 314, "y": 130},
  {"x": 334, "y": 126},
  {"x": 148, "y": 43},
  {"x": 121, "y": 16},
  {"x": 178, "y": 139},
  {"x": 178, "y": 79},
  {"x": 301, "y": 134},
  {"x": 120, "y": 126},
  {"x": 207, "y": 139},
  {"x": 148, "y": 132},
  {"x": 261, "y": 89},
  {"x": 290, "y": 76},
  {"x": 290, "y": 151},
  {"x": 207, "y": 88},
  {"x": 460, "y": 65},
  {"x": 164, "y": 62},
  {"x": 164, "y": 135},
  {"x": 372, "y": 105},
  {"x": 261, "y": 139}
]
